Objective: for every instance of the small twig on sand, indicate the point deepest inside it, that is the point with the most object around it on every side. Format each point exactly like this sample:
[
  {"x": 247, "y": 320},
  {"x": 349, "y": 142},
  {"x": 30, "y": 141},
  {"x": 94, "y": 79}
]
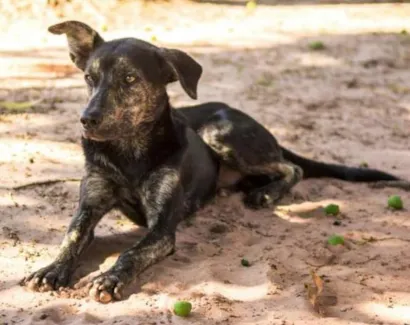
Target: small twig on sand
[
  {"x": 404, "y": 185},
  {"x": 39, "y": 183}
]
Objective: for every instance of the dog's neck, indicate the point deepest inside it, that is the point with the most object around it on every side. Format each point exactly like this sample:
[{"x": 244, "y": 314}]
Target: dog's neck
[{"x": 164, "y": 132}]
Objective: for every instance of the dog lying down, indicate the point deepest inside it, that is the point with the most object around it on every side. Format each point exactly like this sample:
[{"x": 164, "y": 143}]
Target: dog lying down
[{"x": 158, "y": 165}]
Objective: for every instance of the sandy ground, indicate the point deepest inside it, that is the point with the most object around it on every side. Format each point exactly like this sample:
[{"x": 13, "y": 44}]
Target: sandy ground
[{"x": 348, "y": 103}]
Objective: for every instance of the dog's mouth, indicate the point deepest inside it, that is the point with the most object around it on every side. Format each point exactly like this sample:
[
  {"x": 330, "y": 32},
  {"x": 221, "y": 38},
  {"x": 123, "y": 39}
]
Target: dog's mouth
[
  {"x": 91, "y": 135},
  {"x": 97, "y": 135}
]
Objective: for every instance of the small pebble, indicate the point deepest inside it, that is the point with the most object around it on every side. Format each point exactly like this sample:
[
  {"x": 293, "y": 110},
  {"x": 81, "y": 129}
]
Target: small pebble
[
  {"x": 218, "y": 228},
  {"x": 43, "y": 316}
]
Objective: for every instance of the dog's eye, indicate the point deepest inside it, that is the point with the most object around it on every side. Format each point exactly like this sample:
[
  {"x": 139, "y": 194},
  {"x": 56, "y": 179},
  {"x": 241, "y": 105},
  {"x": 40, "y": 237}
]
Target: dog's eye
[
  {"x": 130, "y": 79},
  {"x": 88, "y": 79}
]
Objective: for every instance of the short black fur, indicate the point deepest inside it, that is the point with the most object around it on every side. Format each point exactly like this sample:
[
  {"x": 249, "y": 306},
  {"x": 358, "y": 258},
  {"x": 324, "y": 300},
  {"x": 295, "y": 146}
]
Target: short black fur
[{"x": 159, "y": 165}]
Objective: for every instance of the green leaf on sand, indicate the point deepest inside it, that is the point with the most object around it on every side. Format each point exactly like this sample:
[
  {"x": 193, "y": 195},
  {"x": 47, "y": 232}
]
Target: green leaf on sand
[
  {"x": 182, "y": 308},
  {"x": 332, "y": 209},
  {"x": 335, "y": 240},
  {"x": 10, "y": 106},
  {"x": 395, "y": 202},
  {"x": 245, "y": 262},
  {"x": 317, "y": 45}
]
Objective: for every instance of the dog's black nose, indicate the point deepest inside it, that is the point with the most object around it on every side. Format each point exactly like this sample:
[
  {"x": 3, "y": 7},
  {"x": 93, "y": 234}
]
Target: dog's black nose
[{"x": 90, "y": 119}]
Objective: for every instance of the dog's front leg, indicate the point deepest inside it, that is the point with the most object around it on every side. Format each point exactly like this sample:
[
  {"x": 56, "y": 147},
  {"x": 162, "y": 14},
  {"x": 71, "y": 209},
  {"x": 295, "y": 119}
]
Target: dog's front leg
[
  {"x": 163, "y": 204},
  {"x": 154, "y": 247},
  {"x": 96, "y": 199}
]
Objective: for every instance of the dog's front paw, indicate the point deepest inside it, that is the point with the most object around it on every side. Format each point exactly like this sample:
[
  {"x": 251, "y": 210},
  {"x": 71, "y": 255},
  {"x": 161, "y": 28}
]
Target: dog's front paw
[
  {"x": 260, "y": 199},
  {"x": 107, "y": 287},
  {"x": 49, "y": 278}
]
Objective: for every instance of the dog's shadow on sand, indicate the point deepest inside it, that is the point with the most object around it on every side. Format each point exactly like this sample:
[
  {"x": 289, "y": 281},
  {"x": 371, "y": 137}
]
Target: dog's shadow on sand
[{"x": 105, "y": 247}]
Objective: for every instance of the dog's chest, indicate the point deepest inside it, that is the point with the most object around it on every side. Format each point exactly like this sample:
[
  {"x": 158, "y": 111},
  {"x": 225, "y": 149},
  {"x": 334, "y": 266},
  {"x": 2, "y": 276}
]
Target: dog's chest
[{"x": 124, "y": 171}]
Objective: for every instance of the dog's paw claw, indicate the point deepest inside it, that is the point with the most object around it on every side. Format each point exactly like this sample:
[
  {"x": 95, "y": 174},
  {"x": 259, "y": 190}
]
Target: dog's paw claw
[
  {"x": 32, "y": 284},
  {"x": 48, "y": 278},
  {"x": 106, "y": 288}
]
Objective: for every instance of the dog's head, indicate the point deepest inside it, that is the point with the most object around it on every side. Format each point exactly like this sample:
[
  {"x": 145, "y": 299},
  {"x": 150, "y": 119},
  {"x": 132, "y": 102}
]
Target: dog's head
[{"x": 126, "y": 79}]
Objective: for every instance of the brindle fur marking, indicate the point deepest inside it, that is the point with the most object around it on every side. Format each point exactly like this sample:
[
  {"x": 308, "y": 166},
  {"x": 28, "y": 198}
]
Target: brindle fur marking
[{"x": 159, "y": 165}]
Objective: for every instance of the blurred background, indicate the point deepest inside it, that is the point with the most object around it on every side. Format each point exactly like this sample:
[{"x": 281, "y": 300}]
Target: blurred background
[
  {"x": 308, "y": 69},
  {"x": 330, "y": 79}
]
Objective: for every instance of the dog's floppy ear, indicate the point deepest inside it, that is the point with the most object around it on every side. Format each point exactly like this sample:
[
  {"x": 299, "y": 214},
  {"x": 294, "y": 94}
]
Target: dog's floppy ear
[
  {"x": 82, "y": 40},
  {"x": 180, "y": 66}
]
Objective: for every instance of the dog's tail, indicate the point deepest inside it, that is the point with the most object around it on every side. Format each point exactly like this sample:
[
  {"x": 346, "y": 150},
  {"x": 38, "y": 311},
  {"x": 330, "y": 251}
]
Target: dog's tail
[{"x": 317, "y": 169}]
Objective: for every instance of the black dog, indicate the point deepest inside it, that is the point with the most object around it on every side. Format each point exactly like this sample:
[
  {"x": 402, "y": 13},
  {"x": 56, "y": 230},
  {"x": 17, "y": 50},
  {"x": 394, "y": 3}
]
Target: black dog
[{"x": 158, "y": 165}]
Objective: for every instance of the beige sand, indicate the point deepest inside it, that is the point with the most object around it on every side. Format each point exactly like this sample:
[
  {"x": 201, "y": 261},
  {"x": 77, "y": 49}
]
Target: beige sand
[{"x": 348, "y": 103}]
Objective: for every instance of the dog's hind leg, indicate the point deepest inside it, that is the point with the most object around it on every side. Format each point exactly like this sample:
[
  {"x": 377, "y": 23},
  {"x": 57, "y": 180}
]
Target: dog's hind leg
[
  {"x": 244, "y": 145},
  {"x": 263, "y": 195}
]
